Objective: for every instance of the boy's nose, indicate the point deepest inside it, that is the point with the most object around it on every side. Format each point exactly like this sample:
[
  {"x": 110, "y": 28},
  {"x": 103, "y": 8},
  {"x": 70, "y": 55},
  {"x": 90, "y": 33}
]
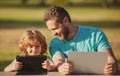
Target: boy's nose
[{"x": 34, "y": 48}]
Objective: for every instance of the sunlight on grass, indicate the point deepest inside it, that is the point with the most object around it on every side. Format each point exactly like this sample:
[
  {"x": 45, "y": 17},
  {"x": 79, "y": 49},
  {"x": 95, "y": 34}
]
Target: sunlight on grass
[
  {"x": 82, "y": 14},
  {"x": 94, "y": 14},
  {"x": 114, "y": 39},
  {"x": 21, "y": 14}
]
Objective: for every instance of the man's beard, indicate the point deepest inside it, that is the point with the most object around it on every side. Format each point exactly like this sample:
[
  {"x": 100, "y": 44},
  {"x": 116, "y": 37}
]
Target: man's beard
[{"x": 65, "y": 33}]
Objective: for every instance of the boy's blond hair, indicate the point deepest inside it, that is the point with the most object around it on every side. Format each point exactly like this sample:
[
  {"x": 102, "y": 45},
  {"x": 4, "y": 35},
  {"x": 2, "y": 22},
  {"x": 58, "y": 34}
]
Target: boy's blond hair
[{"x": 32, "y": 37}]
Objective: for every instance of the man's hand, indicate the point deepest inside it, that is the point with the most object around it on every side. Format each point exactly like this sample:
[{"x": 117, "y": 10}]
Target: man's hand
[
  {"x": 110, "y": 68},
  {"x": 66, "y": 67}
]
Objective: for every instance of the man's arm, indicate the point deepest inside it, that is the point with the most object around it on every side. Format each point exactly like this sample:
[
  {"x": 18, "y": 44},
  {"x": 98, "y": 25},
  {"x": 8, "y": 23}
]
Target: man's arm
[
  {"x": 112, "y": 66},
  {"x": 62, "y": 64}
]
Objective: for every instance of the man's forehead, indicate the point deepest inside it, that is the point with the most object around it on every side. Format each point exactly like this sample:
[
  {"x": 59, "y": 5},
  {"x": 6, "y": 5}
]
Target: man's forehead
[
  {"x": 51, "y": 24},
  {"x": 54, "y": 20}
]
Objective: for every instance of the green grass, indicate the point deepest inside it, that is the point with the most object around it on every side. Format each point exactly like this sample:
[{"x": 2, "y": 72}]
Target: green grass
[
  {"x": 77, "y": 14},
  {"x": 14, "y": 21},
  {"x": 21, "y": 14}
]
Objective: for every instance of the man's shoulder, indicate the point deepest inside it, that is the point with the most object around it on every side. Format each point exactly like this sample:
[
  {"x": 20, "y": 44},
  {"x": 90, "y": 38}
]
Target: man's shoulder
[
  {"x": 90, "y": 29},
  {"x": 55, "y": 40}
]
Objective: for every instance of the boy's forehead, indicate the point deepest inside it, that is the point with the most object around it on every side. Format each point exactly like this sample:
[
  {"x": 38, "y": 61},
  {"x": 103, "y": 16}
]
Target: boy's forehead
[{"x": 33, "y": 42}]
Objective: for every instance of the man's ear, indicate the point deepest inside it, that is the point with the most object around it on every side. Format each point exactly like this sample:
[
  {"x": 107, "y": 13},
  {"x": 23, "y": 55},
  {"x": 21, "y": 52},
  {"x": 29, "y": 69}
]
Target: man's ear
[{"x": 65, "y": 20}]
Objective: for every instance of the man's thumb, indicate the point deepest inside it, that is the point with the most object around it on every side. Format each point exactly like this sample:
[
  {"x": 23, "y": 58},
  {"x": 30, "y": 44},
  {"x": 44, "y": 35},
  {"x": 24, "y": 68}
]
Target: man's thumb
[{"x": 66, "y": 60}]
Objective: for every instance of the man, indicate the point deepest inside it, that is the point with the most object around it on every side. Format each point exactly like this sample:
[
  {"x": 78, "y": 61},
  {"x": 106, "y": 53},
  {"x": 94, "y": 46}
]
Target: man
[{"x": 69, "y": 37}]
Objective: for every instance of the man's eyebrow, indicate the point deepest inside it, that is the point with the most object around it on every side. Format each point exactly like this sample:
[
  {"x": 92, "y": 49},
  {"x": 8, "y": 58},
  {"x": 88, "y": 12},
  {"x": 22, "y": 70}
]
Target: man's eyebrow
[{"x": 56, "y": 26}]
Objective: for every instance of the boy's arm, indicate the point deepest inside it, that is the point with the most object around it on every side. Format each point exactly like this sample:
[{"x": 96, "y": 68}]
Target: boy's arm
[
  {"x": 10, "y": 67},
  {"x": 13, "y": 66},
  {"x": 52, "y": 68}
]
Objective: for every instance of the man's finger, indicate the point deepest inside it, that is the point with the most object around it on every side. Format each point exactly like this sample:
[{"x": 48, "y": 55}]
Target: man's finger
[{"x": 66, "y": 60}]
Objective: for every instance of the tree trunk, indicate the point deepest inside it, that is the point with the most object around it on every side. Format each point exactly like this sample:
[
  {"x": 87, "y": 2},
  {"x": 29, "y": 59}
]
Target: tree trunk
[
  {"x": 105, "y": 3},
  {"x": 42, "y": 2},
  {"x": 115, "y": 1},
  {"x": 24, "y": 1}
]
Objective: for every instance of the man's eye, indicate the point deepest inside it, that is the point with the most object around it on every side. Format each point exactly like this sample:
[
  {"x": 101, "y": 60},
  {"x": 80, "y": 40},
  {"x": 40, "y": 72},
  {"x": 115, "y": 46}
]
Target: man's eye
[{"x": 37, "y": 46}]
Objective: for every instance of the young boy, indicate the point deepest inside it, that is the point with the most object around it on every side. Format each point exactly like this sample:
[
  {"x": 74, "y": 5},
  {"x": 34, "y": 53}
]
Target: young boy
[{"x": 32, "y": 43}]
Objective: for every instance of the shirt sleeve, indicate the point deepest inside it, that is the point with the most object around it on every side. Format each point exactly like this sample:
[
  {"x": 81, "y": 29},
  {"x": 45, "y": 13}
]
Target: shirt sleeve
[
  {"x": 50, "y": 60},
  {"x": 54, "y": 48},
  {"x": 103, "y": 43}
]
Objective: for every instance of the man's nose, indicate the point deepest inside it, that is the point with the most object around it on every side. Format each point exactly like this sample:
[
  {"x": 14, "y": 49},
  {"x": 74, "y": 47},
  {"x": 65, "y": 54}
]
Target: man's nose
[{"x": 54, "y": 32}]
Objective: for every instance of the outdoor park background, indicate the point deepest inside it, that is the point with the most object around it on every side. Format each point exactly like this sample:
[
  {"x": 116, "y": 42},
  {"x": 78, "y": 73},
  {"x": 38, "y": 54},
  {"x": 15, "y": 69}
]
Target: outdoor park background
[{"x": 17, "y": 16}]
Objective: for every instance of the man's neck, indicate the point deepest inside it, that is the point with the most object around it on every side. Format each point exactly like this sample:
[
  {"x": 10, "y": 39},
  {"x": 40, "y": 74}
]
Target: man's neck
[{"x": 73, "y": 31}]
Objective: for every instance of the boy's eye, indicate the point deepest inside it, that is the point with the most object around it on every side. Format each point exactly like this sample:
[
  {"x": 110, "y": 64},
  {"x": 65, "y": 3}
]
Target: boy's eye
[{"x": 30, "y": 46}]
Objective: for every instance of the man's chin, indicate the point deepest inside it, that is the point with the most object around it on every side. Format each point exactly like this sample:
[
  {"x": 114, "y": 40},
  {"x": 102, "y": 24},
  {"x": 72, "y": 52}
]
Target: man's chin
[{"x": 61, "y": 38}]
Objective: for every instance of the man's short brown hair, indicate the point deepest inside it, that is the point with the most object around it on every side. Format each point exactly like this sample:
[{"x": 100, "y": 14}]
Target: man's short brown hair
[{"x": 56, "y": 12}]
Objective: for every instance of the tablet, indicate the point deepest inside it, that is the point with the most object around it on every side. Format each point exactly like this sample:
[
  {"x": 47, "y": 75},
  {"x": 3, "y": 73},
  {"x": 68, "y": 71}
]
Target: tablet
[
  {"x": 32, "y": 65},
  {"x": 88, "y": 62}
]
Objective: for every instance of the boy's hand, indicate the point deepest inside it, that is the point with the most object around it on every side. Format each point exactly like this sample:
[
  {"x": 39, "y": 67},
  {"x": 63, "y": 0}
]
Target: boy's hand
[
  {"x": 46, "y": 65},
  {"x": 18, "y": 65}
]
